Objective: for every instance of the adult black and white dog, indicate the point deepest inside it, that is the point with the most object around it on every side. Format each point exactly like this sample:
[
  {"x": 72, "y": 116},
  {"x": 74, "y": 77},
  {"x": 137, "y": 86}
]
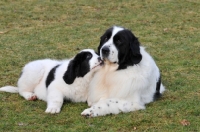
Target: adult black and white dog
[
  {"x": 53, "y": 80},
  {"x": 129, "y": 78}
]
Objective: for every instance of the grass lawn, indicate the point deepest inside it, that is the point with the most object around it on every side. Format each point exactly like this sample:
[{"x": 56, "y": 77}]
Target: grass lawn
[{"x": 37, "y": 29}]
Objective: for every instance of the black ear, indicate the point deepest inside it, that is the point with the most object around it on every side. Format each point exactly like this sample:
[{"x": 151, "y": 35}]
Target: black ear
[
  {"x": 77, "y": 67},
  {"x": 102, "y": 41},
  {"x": 73, "y": 69},
  {"x": 100, "y": 45},
  {"x": 129, "y": 53},
  {"x": 70, "y": 74},
  {"x": 135, "y": 49}
]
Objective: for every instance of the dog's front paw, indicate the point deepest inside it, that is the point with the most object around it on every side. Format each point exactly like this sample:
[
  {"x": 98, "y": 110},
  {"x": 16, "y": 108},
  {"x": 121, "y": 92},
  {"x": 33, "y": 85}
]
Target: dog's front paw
[
  {"x": 87, "y": 112},
  {"x": 90, "y": 112},
  {"x": 52, "y": 110}
]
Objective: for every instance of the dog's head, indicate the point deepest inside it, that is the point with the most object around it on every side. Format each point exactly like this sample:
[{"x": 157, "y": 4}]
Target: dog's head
[
  {"x": 85, "y": 61},
  {"x": 119, "y": 45}
]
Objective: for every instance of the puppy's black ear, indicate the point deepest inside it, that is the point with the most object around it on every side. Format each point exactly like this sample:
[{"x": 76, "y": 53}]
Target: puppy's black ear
[
  {"x": 70, "y": 74},
  {"x": 73, "y": 69},
  {"x": 135, "y": 49},
  {"x": 77, "y": 67}
]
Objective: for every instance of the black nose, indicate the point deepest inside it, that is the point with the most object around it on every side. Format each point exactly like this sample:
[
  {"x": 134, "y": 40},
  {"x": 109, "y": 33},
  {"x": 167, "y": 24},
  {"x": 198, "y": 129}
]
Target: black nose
[
  {"x": 105, "y": 51},
  {"x": 99, "y": 59}
]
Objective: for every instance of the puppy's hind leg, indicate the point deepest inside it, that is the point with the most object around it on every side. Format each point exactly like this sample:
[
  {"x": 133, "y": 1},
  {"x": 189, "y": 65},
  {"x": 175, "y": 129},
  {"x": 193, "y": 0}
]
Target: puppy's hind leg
[{"x": 31, "y": 76}]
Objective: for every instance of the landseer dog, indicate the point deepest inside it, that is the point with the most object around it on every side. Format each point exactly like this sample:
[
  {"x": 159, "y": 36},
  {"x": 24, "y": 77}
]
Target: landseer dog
[
  {"x": 129, "y": 78},
  {"x": 53, "y": 81}
]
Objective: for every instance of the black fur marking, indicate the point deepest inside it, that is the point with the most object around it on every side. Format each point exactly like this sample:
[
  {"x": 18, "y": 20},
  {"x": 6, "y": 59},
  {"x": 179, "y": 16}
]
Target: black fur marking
[
  {"x": 51, "y": 76},
  {"x": 157, "y": 94},
  {"x": 78, "y": 67},
  {"x": 108, "y": 105}
]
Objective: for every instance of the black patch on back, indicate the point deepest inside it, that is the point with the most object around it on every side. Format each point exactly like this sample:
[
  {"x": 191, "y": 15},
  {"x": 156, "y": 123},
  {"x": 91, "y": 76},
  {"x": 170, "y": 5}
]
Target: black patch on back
[
  {"x": 78, "y": 67},
  {"x": 51, "y": 76},
  {"x": 157, "y": 94}
]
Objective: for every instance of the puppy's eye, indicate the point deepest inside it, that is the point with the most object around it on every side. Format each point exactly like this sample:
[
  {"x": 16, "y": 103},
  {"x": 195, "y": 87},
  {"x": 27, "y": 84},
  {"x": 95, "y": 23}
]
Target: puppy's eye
[
  {"x": 89, "y": 56},
  {"x": 106, "y": 38}
]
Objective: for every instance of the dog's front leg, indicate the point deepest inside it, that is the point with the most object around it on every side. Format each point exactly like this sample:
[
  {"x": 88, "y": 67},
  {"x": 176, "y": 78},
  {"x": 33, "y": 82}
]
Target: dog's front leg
[
  {"x": 54, "y": 100},
  {"x": 108, "y": 106}
]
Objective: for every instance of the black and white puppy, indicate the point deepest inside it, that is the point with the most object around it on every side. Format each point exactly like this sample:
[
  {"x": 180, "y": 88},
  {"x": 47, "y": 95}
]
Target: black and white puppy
[
  {"x": 129, "y": 78},
  {"x": 53, "y": 80}
]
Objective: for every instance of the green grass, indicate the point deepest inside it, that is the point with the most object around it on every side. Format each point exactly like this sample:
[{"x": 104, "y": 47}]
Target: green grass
[{"x": 37, "y": 29}]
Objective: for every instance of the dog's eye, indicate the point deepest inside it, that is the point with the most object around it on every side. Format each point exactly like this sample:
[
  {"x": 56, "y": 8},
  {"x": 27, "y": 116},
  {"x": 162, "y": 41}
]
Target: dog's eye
[
  {"x": 89, "y": 56},
  {"x": 118, "y": 41}
]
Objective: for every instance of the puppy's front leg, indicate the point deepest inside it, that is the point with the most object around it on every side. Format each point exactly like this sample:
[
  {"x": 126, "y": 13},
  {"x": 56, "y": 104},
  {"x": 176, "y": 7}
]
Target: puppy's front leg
[{"x": 54, "y": 100}]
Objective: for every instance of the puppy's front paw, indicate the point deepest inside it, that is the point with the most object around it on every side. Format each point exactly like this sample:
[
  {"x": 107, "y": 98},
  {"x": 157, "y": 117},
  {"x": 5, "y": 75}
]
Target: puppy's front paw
[{"x": 52, "y": 110}]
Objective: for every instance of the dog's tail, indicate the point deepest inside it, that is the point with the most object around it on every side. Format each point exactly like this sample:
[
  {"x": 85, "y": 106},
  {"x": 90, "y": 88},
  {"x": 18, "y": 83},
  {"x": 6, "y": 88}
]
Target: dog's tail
[{"x": 10, "y": 89}]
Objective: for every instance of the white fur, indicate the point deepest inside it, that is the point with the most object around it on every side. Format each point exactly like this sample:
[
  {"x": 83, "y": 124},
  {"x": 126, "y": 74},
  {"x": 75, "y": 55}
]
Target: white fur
[
  {"x": 31, "y": 85},
  {"x": 114, "y": 91}
]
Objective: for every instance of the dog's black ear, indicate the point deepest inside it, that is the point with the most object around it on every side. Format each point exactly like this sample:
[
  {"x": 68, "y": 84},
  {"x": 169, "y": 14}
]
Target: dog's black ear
[
  {"x": 100, "y": 45},
  {"x": 70, "y": 74},
  {"x": 135, "y": 49},
  {"x": 104, "y": 38},
  {"x": 129, "y": 54}
]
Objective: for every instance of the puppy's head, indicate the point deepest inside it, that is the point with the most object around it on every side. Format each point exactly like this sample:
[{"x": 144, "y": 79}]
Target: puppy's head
[
  {"x": 119, "y": 45},
  {"x": 85, "y": 61}
]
